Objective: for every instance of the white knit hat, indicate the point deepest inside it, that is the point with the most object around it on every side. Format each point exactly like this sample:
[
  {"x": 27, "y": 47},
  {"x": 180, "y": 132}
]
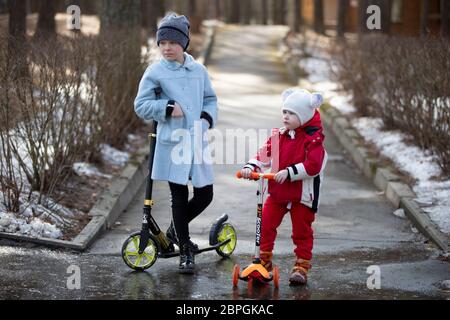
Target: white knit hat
[{"x": 301, "y": 102}]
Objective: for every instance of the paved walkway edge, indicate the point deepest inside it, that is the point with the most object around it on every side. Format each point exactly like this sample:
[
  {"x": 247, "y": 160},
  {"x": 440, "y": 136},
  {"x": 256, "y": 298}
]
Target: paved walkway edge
[
  {"x": 117, "y": 196},
  {"x": 384, "y": 178}
]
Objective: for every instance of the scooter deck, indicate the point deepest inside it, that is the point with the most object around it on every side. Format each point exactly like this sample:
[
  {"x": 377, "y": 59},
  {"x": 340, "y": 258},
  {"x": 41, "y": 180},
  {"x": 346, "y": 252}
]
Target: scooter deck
[
  {"x": 257, "y": 272},
  {"x": 177, "y": 253}
]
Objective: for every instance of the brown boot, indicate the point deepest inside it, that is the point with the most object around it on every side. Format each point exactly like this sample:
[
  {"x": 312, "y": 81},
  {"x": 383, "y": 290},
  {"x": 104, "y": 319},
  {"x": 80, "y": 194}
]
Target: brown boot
[
  {"x": 299, "y": 272},
  {"x": 266, "y": 260}
]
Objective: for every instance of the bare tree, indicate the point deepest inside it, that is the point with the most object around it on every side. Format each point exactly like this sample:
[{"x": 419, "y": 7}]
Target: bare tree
[
  {"x": 264, "y": 12},
  {"x": 445, "y": 10},
  {"x": 279, "y": 12},
  {"x": 246, "y": 11},
  {"x": 193, "y": 15},
  {"x": 17, "y": 38},
  {"x": 297, "y": 15},
  {"x": 235, "y": 12},
  {"x": 46, "y": 24},
  {"x": 341, "y": 18},
  {"x": 150, "y": 12},
  {"x": 217, "y": 9},
  {"x": 120, "y": 33},
  {"x": 17, "y": 19},
  {"x": 318, "y": 16},
  {"x": 425, "y": 10},
  {"x": 386, "y": 6}
]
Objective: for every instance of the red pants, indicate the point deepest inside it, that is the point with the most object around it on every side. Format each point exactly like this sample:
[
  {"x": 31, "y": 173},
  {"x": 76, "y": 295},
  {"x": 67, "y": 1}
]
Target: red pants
[{"x": 302, "y": 218}]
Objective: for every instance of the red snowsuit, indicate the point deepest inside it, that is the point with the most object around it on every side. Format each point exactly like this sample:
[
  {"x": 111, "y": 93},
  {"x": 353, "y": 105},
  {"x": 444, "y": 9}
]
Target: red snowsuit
[{"x": 304, "y": 156}]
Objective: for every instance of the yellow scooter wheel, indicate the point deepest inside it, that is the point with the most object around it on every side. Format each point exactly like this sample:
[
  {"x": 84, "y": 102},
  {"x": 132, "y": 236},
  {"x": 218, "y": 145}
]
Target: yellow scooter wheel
[
  {"x": 225, "y": 232},
  {"x": 131, "y": 256}
]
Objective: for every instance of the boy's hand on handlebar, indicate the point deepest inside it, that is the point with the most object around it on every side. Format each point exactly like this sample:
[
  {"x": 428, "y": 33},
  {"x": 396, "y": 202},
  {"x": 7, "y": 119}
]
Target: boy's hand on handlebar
[
  {"x": 177, "y": 111},
  {"x": 281, "y": 176},
  {"x": 246, "y": 173}
]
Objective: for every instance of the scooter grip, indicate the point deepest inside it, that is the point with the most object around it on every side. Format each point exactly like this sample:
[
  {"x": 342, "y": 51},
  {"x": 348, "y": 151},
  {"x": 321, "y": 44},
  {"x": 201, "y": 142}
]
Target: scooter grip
[{"x": 257, "y": 176}]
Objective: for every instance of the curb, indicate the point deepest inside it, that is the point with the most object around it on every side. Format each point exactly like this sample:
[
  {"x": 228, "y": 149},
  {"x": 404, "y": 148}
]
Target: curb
[
  {"x": 384, "y": 178},
  {"x": 117, "y": 196},
  {"x": 206, "y": 53}
]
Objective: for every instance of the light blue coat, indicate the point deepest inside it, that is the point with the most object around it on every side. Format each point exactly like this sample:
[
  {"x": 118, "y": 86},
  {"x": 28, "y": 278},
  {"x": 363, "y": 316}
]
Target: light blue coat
[{"x": 190, "y": 86}]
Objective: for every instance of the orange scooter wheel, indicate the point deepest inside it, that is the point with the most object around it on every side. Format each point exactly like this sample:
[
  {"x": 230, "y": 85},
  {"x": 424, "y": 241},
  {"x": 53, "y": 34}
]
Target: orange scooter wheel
[
  {"x": 236, "y": 272},
  {"x": 276, "y": 277}
]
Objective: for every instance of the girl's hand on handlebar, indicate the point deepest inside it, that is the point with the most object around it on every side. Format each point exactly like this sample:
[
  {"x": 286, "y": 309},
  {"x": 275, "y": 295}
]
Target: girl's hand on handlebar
[
  {"x": 281, "y": 176},
  {"x": 177, "y": 111},
  {"x": 246, "y": 173}
]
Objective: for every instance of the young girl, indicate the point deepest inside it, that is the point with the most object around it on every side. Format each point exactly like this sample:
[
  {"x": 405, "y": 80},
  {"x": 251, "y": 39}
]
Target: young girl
[
  {"x": 187, "y": 104},
  {"x": 296, "y": 153}
]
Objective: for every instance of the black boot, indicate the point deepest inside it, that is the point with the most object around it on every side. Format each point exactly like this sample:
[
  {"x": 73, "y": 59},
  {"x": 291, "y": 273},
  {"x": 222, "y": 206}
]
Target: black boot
[
  {"x": 171, "y": 235},
  {"x": 187, "y": 263}
]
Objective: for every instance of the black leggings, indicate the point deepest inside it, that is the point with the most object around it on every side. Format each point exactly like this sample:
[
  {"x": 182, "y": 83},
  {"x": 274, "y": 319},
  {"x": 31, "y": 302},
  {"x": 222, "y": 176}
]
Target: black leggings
[{"x": 184, "y": 211}]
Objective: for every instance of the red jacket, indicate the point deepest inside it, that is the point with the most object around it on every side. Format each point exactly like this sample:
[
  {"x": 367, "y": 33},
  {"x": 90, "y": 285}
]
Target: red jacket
[{"x": 302, "y": 155}]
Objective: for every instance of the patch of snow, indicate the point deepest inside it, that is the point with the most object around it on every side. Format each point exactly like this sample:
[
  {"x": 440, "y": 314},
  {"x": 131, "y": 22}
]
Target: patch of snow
[
  {"x": 419, "y": 164},
  {"x": 399, "y": 213},
  {"x": 133, "y": 137},
  {"x": 329, "y": 88},
  {"x": 34, "y": 228},
  {"x": 86, "y": 169},
  {"x": 343, "y": 103},
  {"x": 114, "y": 156},
  {"x": 317, "y": 69}
]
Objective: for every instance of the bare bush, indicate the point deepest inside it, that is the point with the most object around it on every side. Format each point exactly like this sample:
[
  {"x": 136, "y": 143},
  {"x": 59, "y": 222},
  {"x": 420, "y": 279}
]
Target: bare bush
[
  {"x": 406, "y": 82},
  {"x": 52, "y": 120},
  {"x": 119, "y": 69},
  {"x": 76, "y": 94}
]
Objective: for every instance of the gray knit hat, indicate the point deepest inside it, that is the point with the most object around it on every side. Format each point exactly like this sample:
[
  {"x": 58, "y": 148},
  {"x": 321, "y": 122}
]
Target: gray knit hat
[{"x": 174, "y": 28}]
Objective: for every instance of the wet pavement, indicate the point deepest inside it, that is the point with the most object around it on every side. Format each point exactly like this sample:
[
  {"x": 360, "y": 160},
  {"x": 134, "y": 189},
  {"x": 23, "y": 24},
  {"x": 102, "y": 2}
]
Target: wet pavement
[{"x": 355, "y": 229}]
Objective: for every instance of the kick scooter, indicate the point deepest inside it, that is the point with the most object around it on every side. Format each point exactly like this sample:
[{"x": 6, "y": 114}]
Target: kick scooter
[
  {"x": 256, "y": 271},
  {"x": 141, "y": 249}
]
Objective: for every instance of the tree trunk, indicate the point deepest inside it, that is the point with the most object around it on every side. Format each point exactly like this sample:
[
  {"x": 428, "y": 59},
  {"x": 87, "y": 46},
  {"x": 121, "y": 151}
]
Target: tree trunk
[
  {"x": 279, "y": 12},
  {"x": 297, "y": 21},
  {"x": 362, "y": 7},
  {"x": 246, "y": 11},
  {"x": 424, "y": 17},
  {"x": 217, "y": 10},
  {"x": 149, "y": 16},
  {"x": 17, "y": 19},
  {"x": 193, "y": 16},
  {"x": 342, "y": 17},
  {"x": 386, "y": 6},
  {"x": 46, "y": 24},
  {"x": 282, "y": 12},
  {"x": 17, "y": 39},
  {"x": 120, "y": 36},
  {"x": 235, "y": 13},
  {"x": 264, "y": 12},
  {"x": 445, "y": 10},
  {"x": 119, "y": 14},
  {"x": 318, "y": 17}
]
